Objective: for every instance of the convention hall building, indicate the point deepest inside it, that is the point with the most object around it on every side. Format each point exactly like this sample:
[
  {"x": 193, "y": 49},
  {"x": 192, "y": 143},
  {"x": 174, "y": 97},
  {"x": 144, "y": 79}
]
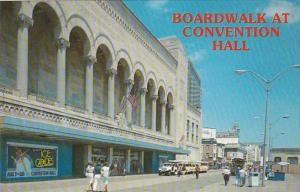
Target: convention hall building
[{"x": 87, "y": 81}]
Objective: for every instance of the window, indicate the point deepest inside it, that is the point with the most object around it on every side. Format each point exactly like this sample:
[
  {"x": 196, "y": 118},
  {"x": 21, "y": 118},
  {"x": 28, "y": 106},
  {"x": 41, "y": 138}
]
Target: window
[
  {"x": 277, "y": 159},
  {"x": 197, "y": 134},
  {"x": 188, "y": 130},
  {"x": 193, "y": 132},
  {"x": 292, "y": 160}
]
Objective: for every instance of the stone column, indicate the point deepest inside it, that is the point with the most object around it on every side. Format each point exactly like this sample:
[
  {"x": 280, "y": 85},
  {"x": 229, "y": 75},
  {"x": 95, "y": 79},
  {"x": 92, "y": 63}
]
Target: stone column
[
  {"x": 87, "y": 151},
  {"x": 163, "y": 116},
  {"x": 171, "y": 123},
  {"x": 129, "y": 84},
  {"x": 62, "y": 45},
  {"x": 111, "y": 92},
  {"x": 153, "y": 120},
  {"x": 110, "y": 155},
  {"x": 143, "y": 106},
  {"x": 89, "y": 82},
  {"x": 128, "y": 160},
  {"x": 24, "y": 22},
  {"x": 142, "y": 161}
]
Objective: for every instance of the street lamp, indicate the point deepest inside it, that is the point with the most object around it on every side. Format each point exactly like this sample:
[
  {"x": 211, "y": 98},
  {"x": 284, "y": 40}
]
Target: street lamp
[
  {"x": 270, "y": 131},
  {"x": 267, "y": 84},
  {"x": 272, "y": 139}
]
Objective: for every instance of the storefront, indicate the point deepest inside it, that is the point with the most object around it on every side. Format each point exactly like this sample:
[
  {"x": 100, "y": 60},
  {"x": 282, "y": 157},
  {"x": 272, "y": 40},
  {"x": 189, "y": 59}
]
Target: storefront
[
  {"x": 118, "y": 166},
  {"x": 99, "y": 154},
  {"x": 136, "y": 166},
  {"x": 47, "y": 151}
]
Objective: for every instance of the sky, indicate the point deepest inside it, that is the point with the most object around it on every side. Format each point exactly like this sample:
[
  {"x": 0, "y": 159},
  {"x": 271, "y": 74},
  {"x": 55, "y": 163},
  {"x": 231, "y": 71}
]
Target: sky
[{"x": 227, "y": 97}]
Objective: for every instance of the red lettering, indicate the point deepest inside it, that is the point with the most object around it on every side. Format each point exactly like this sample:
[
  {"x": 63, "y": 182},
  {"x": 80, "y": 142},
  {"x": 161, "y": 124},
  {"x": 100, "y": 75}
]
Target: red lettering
[
  {"x": 184, "y": 31},
  {"x": 276, "y": 18},
  {"x": 176, "y": 18},
  {"x": 187, "y": 17},
  {"x": 285, "y": 17}
]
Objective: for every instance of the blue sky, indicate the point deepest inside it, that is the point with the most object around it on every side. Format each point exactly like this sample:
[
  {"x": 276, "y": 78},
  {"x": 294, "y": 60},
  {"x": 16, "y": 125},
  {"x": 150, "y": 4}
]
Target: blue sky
[{"x": 227, "y": 97}]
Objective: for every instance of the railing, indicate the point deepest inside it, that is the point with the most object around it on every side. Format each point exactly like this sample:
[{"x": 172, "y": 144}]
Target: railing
[
  {"x": 6, "y": 90},
  {"x": 79, "y": 121},
  {"x": 41, "y": 99}
]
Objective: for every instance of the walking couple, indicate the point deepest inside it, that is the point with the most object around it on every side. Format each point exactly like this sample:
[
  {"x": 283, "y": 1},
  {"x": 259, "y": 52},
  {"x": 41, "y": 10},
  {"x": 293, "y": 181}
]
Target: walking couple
[{"x": 98, "y": 177}]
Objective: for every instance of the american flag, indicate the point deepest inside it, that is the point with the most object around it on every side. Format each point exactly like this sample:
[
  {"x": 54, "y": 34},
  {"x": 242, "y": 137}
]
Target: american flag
[{"x": 132, "y": 98}]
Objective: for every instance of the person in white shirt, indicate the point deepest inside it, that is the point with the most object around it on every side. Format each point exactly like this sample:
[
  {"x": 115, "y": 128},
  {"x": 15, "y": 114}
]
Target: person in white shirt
[
  {"x": 89, "y": 173},
  {"x": 243, "y": 177},
  {"x": 105, "y": 175},
  {"x": 226, "y": 175}
]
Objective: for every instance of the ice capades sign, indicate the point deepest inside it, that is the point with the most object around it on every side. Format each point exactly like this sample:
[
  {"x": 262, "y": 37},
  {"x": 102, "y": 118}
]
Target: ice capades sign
[
  {"x": 30, "y": 160},
  {"x": 196, "y": 25}
]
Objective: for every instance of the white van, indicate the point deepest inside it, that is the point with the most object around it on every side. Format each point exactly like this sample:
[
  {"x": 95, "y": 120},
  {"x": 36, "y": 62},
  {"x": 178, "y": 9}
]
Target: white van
[
  {"x": 203, "y": 167},
  {"x": 168, "y": 169}
]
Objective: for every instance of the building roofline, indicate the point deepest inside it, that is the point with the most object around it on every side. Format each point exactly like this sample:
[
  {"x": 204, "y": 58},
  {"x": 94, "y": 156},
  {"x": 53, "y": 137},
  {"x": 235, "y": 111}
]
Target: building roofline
[{"x": 148, "y": 32}]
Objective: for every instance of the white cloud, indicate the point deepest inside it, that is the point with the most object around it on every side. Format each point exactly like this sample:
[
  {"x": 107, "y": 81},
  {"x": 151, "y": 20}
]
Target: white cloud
[
  {"x": 276, "y": 6},
  {"x": 158, "y": 5},
  {"x": 198, "y": 55}
]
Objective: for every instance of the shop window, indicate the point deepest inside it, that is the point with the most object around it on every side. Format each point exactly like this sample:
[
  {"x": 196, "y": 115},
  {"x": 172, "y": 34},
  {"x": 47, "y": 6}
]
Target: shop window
[{"x": 292, "y": 160}]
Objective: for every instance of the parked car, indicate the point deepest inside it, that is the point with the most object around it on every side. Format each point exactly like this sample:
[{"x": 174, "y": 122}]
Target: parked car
[{"x": 168, "y": 169}]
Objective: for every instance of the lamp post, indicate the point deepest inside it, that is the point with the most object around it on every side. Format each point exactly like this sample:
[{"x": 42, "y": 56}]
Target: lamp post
[
  {"x": 270, "y": 132},
  {"x": 267, "y": 84},
  {"x": 272, "y": 139}
]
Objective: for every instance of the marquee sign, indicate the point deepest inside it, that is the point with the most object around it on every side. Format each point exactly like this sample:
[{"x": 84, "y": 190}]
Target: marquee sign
[{"x": 30, "y": 160}]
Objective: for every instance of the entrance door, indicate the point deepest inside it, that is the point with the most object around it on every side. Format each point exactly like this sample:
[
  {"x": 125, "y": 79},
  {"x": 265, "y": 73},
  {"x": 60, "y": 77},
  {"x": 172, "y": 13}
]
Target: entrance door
[
  {"x": 77, "y": 159},
  {"x": 148, "y": 162}
]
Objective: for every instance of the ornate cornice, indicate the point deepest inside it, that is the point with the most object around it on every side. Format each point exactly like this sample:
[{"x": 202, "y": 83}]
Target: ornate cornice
[
  {"x": 72, "y": 120},
  {"x": 108, "y": 9}
]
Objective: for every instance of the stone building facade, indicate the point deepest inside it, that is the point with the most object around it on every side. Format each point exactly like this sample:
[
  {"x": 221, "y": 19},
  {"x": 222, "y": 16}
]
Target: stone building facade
[{"x": 65, "y": 68}]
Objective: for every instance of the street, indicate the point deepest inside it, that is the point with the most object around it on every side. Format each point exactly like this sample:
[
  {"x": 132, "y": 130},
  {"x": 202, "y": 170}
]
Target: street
[{"x": 211, "y": 181}]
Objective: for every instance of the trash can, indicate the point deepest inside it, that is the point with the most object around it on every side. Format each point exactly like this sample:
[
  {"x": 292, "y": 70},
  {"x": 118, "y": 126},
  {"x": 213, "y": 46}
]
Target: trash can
[
  {"x": 253, "y": 179},
  {"x": 278, "y": 176}
]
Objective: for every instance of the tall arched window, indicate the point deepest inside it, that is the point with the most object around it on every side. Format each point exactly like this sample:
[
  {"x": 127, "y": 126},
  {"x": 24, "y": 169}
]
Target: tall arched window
[
  {"x": 104, "y": 60},
  {"x": 43, "y": 51},
  {"x": 76, "y": 56},
  {"x": 168, "y": 113},
  {"x": 8, "y": 43},
  {"x": 149, "y": 94},
  {"x": 136, "y": 110},
  {"x": 159, "y": 103},
  {"x": 120, "y": 84}
]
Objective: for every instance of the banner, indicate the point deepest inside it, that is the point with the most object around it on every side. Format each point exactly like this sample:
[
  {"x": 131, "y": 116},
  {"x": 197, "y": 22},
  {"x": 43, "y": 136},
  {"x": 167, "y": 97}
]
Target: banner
[{"x": 30, "y": 160}]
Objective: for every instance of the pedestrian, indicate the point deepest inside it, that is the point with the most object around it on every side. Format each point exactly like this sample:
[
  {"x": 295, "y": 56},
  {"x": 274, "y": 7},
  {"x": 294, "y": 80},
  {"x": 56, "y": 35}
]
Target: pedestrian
[
  {"x": 226, "y": 175},
  {"x": 89, "y": 173},
  {"x": 267, "y": 170},
  {"x": 197, "y": 171},
  {"x": 179, "y": 171},
  {"x": 98, "y": 182},
  {"x": 242, "y": 177},
  {"x": 105, "y": 176},
  {"x": 237, "y": 176}
]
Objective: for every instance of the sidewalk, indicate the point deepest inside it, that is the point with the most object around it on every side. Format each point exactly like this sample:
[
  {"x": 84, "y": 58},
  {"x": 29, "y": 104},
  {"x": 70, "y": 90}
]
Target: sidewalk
[
  {"x": 291, "y": 184},
  {"x": 116, "y": 183}
]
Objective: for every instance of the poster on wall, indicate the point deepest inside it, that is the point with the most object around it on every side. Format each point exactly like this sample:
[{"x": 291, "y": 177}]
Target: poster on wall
[{"x": 31, "y": 160}]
